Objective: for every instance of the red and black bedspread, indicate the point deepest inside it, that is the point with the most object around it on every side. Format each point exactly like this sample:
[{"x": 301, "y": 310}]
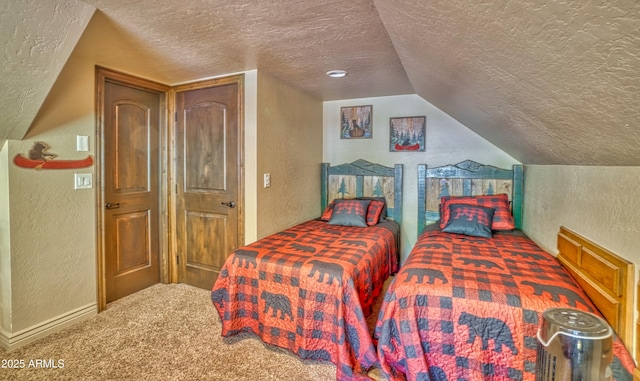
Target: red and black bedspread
[
  {"x": 308, "y": 289},
  {"x": 467, "y": 308}
]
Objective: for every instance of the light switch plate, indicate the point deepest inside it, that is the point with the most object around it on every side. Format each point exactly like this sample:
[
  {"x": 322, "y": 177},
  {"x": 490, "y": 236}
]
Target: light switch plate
[
  {"x": 83, "y": 181},
  {"x": 82, "y": 143}
]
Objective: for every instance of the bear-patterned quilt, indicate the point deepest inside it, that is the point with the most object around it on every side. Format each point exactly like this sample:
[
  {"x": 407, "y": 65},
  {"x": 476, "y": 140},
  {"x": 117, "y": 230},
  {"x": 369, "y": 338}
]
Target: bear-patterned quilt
[
  {"x": 308, "y": 289},
  {"x": 468, "y": 308}
]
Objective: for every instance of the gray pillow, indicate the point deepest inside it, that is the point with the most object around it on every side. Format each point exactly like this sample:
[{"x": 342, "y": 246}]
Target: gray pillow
[
  {"x": 469, "y": 220},
  {"x": 349, "y": 213}
]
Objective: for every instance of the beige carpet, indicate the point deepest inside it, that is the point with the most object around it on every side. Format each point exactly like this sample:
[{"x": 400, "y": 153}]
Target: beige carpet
[{"x": 166, "y": 332}]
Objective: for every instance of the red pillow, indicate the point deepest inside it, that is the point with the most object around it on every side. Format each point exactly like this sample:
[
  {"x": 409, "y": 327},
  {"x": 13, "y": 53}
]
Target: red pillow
[
  {"x": 502, "y": 218},
  {"x": 326, "y": 215},
  {"x": 374, "y": 211}
]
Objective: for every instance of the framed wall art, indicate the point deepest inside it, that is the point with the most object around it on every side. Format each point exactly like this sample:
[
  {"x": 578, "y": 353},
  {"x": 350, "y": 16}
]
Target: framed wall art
[
  {"x": 356, "y": 122},
  {"x": 407, "y": 134}
]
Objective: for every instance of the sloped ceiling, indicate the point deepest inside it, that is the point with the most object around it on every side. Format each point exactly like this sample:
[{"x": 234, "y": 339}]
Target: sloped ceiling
[
  {"x": 549, "y": 82},
  {"x": 36, "y": 39}
]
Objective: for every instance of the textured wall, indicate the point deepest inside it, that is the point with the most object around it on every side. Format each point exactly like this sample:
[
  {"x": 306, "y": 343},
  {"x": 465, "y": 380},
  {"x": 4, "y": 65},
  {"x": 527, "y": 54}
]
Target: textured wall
[
  {"x": 52, "y": 235},
  {"x": 600, "y": 203},
  {"x": 447, "y": 142},
  {"x": 37, "y": 38},
  {"x": 52, "y": 225},
  {"x": 290, "y": 149}
]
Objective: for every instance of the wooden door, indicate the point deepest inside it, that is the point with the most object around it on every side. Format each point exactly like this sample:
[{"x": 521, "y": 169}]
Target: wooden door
[
  {"x": 130, "y": 147},
  {"x": 208, "y": 191}
]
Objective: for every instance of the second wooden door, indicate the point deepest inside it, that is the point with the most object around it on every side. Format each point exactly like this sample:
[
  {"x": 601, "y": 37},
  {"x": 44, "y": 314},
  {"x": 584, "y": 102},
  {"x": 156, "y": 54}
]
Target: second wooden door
[{"x": 208, "y": 172}]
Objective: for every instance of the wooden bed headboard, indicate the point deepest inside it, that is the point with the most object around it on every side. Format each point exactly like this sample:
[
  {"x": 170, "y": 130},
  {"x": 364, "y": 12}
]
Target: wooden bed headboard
[
  {"x": 607, "y": 278},
  {"x": 363, "y": 179},
  {"x": 467, "y": 178}
]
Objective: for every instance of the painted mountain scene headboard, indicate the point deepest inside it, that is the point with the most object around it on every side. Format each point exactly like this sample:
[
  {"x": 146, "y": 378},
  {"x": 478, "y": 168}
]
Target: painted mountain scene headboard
[
  {"x": 466, "y": 178},
  {"x": 364, "y": 179}
]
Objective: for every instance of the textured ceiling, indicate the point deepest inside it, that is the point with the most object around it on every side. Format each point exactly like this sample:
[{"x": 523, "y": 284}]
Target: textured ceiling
[
  {"x": 549, "y": 82},
  {"x": 36, "y": 39}
]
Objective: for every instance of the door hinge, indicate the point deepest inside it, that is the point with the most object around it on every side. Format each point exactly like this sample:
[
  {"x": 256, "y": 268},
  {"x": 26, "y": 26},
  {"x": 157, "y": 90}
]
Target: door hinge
[
  {"x": 177, "y": 259},
  {"x": 175, "y": 116}
]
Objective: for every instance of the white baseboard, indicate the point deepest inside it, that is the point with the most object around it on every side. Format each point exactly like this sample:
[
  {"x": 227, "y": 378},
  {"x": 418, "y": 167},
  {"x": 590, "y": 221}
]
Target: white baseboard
[{"x": 11, "y": 341}]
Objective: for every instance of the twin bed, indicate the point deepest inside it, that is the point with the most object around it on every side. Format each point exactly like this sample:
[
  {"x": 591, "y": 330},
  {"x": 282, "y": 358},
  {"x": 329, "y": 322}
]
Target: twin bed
[
  {"x": 309, "y": 288},
  {"x": 466, "y": 303}
]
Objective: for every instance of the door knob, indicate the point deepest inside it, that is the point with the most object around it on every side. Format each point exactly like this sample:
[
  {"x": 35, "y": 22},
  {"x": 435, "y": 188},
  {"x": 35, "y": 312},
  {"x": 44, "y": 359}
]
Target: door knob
[
  {"x": 109, "y": 205},
  {"x": 230, "y": 204}
]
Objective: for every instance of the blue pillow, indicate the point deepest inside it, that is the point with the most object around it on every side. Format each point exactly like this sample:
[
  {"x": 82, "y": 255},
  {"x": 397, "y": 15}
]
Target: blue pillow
[
  {"x": 349, "y": 213},
  {"x": 470, "y": 220}
]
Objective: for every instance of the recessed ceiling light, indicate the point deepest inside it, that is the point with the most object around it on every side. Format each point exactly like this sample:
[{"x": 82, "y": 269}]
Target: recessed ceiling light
[{"x": 336, "y": 73}]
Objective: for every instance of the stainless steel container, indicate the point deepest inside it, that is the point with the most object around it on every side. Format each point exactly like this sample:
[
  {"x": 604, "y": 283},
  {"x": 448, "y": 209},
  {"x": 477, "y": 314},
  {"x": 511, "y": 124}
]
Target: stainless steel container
[{"x": 573, "y": 345}]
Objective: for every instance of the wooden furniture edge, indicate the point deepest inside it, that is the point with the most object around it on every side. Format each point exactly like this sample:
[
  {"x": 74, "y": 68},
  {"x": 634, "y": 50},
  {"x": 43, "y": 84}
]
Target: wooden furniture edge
[{"x": 619, "y": 270}]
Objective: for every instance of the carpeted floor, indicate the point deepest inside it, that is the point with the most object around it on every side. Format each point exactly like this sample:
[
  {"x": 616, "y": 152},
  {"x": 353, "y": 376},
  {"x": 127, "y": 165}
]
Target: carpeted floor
[{"x": 165, "y": 332}]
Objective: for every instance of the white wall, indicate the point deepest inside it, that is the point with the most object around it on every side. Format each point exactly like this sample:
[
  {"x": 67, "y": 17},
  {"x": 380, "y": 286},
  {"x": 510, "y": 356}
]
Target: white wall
[
  {"x": 447, "y": 142},
  {"x": 599, "y": 203},
  {"x": 5, "y": 245},
  {"x": 250, "y": 156}
]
